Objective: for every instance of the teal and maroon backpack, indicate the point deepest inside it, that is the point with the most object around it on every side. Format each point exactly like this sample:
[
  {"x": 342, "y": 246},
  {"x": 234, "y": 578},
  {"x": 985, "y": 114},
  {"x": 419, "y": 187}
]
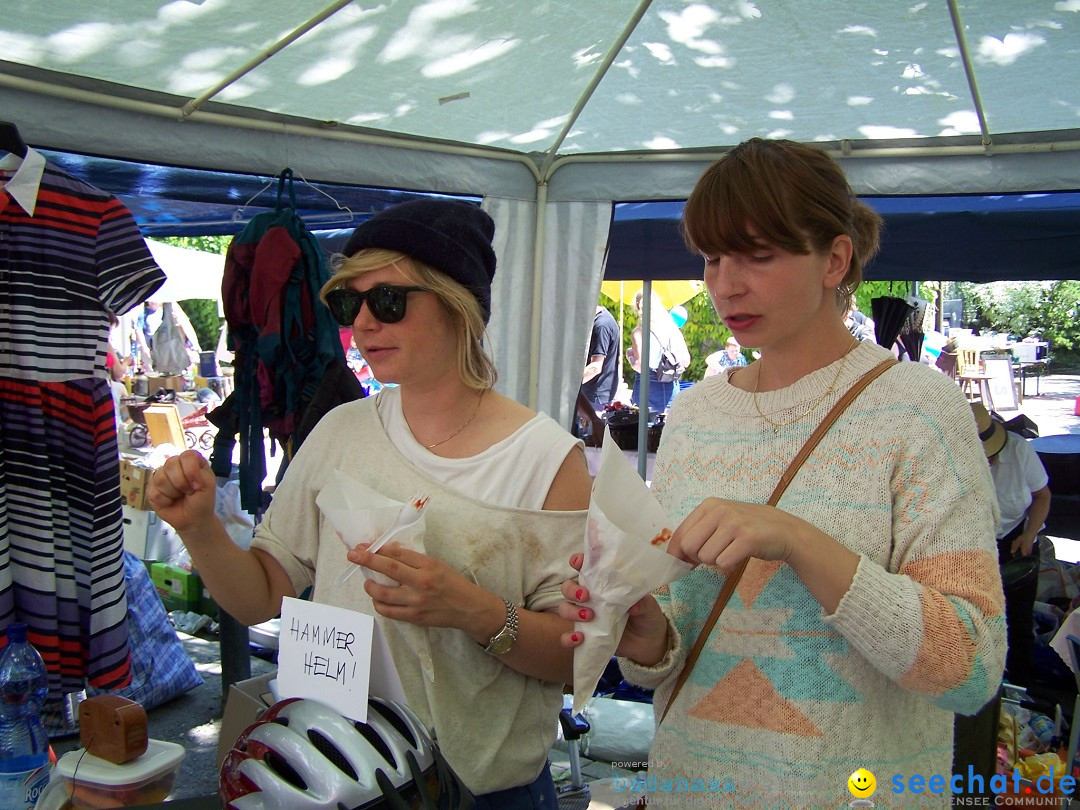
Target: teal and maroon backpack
[{"x": 283, "y": 338}]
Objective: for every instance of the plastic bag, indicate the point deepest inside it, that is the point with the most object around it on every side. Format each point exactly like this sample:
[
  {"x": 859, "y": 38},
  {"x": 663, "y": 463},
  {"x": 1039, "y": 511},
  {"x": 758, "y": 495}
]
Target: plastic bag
[
  {"x": 239, "y": 524},
  {"x": 169, "y": 352}
]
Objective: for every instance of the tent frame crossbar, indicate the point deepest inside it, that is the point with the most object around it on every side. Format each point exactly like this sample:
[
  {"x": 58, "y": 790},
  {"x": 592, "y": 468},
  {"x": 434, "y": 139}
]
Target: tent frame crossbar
[
  {"x": 969, "y": 71},
  {"x": 846, "y": 149}
]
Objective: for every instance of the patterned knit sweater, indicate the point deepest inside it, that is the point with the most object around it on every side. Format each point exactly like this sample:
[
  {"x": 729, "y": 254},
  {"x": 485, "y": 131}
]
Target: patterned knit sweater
[{"x": 786, "y": 702}]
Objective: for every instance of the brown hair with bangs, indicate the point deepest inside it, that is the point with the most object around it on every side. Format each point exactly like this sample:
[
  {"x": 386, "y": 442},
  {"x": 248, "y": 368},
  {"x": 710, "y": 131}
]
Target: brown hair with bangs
[
  {"x": 792, "y": 196},
  {"x": 475, "y": 365}
]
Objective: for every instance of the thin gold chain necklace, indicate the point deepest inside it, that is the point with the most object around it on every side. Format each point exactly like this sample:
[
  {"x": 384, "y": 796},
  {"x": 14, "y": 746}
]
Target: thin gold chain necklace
[
  {"x": 468, "y": 422},
  {"x": 809, "y": 408}
]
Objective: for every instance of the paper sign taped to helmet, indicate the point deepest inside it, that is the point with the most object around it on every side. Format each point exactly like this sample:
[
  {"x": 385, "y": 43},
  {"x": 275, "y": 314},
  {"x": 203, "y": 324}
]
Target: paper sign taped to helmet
[{"x": 335, "y": 656}]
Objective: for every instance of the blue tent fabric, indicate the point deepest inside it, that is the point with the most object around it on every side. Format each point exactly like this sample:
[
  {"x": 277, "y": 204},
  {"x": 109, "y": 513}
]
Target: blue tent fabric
[
  {"x": 1020, "y": 237},
  {"x": 963, "y": 237}
]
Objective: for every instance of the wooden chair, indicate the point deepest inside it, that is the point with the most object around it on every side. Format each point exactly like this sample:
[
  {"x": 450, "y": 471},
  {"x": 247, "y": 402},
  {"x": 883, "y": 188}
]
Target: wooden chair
[
  {"x": 973, "y": 380},
  {"x": 967, "y": 360}
]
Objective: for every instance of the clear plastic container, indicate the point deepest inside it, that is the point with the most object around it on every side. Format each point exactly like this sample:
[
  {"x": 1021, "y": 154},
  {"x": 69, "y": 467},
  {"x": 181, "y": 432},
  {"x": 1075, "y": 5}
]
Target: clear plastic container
[{"x": 81, "y": 781}]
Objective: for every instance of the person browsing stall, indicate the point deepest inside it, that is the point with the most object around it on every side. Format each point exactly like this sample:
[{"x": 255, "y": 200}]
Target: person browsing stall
[
  {"x": 600, "y": 377},
  {"x": 665, "y": 336},
  {"x": 728, "y": 357},
  {"x": 505, "y": 486},
  {"x": 1023, "y": 495},
  {"x": 871, "y": 608}
]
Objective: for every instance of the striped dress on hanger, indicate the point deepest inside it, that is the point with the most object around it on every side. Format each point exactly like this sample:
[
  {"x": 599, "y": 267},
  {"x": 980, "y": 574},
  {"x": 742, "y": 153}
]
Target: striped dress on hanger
[{"x": 69, "y": 253}]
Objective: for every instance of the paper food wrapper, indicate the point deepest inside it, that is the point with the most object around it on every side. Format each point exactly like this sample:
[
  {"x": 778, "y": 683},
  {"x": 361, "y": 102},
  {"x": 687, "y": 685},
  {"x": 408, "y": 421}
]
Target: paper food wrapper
[
  {"x": 359, "y": 514},
  {"x": 622, "y": 562}
]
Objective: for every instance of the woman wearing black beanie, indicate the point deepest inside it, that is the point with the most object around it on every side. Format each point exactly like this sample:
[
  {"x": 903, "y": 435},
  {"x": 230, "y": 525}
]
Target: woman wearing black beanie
[{"x": 506, "y": 489}]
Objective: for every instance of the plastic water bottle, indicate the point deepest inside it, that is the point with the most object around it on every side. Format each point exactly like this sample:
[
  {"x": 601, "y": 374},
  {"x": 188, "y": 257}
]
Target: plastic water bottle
[{"x": 24, "y": 743}]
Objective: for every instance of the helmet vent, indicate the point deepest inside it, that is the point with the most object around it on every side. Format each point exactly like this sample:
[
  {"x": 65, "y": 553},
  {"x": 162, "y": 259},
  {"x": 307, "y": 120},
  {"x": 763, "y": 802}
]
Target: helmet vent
[
  {"x": 286, "y": 771},
  {"x": 395, "y": 720},
  {"x": 331, "y": 752},
  {"x": 378, "y": 743}
]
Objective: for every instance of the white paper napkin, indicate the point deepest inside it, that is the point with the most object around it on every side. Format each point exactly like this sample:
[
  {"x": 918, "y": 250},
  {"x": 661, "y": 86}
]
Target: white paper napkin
[
  {"x": 359, "y": 514},
  {"x": 622, "y": 562}
]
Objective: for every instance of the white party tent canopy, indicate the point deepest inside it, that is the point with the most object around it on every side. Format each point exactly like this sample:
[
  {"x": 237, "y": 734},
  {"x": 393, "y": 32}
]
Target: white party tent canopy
[
  {"x": 552, "y": 109},
  {"x": 189, "y": 273}
]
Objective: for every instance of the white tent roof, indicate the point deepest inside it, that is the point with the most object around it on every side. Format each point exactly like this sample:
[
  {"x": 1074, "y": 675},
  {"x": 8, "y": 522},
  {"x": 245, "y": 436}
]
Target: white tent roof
[
  {"x": 540, "y": 84},
  {"x": 189, "y": 273},
  {"x": 551, "y": 109}
]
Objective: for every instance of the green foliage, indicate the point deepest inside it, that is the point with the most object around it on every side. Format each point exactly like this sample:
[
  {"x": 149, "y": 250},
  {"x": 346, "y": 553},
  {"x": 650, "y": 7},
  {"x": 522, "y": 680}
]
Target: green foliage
[
  {"x": 704, "y": 334},
  {"x": 1047, "y": 309},
  {"x": 203, "y": 314}
]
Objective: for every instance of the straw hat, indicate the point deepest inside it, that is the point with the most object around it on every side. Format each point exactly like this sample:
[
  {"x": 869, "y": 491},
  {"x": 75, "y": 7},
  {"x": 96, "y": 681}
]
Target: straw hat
[{"x": 991, "y": 431}]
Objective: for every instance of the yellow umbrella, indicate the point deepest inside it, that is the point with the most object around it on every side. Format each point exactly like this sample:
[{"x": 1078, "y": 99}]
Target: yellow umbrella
[{"x": 671, "y": 292}]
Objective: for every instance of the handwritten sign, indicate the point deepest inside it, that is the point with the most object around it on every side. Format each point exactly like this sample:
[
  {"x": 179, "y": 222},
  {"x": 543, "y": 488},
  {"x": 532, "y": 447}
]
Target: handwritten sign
[{"x": 324, "y": 653}]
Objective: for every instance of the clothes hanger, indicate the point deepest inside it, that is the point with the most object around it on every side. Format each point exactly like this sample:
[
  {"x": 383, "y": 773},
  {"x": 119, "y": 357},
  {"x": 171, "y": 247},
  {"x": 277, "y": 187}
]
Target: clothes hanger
[
  {"x": 330, "y": 197},
  {"x": 11, "y": 140},
  {"x": 240, "y": 215}
]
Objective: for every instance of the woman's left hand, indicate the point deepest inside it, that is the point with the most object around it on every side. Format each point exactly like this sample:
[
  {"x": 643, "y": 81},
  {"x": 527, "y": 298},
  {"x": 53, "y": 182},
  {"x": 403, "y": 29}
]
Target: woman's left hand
[
  {"x": 724, "y": 533},
  {"x": 430, "y": 593}
]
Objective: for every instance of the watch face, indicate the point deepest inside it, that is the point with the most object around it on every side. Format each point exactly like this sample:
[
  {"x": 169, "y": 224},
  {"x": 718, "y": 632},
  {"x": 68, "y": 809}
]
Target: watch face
[{"x": 501, "y": 644}]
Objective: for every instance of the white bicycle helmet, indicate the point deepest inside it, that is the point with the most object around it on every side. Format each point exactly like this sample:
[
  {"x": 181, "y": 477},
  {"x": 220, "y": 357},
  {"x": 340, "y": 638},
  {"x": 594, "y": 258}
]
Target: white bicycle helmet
[{"x": 302, "y": 754}]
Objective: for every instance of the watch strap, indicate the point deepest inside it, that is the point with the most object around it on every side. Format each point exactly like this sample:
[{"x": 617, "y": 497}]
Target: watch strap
[{"x": 504, "y": 640}]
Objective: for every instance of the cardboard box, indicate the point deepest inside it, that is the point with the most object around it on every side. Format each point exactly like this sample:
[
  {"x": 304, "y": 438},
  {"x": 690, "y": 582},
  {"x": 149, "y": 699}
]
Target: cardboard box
[
  {"x": 245, "y": 701},
  {"x": 179, "y": 589},
  {"x": 174, "y": 382},
  {"x": 134, "y": 481}
]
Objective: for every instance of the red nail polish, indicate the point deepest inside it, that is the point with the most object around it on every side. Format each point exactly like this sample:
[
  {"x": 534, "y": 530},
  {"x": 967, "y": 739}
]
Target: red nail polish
[
  {"x": 579, "y": 593},
  {"x": 583, "y": 614},
  {"x": 575, "y": 637}
]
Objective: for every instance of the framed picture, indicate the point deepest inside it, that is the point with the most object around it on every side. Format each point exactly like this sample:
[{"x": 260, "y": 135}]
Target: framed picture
[{"x": 1002, "y": 383}]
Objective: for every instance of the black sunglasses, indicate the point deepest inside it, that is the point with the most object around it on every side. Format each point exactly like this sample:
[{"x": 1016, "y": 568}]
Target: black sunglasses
[{"x": 386, "y": 302}]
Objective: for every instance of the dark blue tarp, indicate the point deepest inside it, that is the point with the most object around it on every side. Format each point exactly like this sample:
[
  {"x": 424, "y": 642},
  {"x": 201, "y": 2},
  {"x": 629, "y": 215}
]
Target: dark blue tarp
[
  {"x": 943, "y": 238},
  {"x": 958, "y": 238},
  {"x": 178, "y": 201}
]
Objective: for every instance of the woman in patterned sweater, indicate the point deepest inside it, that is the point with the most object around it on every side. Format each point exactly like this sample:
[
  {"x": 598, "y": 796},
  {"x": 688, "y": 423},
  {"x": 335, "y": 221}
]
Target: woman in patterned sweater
[{"x": 871, "y": 610}]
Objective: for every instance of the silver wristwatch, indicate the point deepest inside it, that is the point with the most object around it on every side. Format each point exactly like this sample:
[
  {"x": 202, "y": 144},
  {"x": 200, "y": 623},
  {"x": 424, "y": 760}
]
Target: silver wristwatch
[{"x": 503, "y": 641}]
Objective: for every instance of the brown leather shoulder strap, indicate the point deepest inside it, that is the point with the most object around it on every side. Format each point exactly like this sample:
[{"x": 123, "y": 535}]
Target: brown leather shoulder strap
[{"x": 732, "y": 579}]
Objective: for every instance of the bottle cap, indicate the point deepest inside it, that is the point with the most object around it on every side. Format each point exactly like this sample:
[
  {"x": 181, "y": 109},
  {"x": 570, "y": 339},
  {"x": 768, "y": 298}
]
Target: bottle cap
[{"x": 16, "y": 632}]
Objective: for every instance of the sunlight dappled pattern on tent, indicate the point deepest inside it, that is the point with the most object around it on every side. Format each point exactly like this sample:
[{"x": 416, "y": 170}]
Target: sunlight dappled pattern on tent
[{"x": 668, "y": 75}]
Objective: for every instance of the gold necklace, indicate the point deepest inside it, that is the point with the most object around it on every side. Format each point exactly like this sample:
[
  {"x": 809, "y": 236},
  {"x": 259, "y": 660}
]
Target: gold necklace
[
  {"x": 468, "y": 422},
  {"x": 812, "y": 405}
]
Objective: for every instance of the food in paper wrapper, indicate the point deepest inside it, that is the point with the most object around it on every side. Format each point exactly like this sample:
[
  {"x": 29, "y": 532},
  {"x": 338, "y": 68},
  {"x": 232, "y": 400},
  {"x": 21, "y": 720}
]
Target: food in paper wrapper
[
  {"x": 661, "y": 540},
  {"x": 359, "y": 514},
  {"x": 625, "y": 559}
]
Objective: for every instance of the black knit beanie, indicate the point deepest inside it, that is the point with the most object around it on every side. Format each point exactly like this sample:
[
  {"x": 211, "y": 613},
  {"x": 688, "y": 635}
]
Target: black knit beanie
[{"x": 450, "y": 236}]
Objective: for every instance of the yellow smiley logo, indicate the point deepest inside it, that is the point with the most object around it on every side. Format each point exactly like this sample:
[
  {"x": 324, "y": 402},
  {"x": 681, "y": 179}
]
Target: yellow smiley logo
[{"x": 862, "y": 784}]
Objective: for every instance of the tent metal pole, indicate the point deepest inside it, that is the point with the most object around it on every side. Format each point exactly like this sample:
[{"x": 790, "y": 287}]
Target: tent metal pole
[
  {"x": 275, "y": 127},
  {"x": 601, "y": 72},
  {"x": 538, "y": 294},
  {"x": 840, "y": 153},
  {"x": 191, "y": 106},
  {"x": 965, "y": 55},
  {"x": 643, "y": 388}
]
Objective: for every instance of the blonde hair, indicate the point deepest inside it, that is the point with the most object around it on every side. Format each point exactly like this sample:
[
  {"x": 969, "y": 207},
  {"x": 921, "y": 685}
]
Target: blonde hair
[
  {"x": 795, "y": 197},
  {"x": 475, "y": 366}
]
